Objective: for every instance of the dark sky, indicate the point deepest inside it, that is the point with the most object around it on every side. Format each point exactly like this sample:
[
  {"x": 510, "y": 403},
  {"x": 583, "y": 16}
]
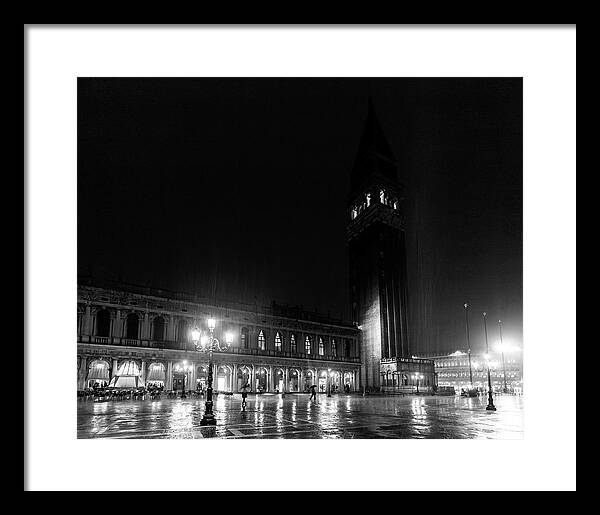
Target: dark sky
[{"x": 238, "y": 188}]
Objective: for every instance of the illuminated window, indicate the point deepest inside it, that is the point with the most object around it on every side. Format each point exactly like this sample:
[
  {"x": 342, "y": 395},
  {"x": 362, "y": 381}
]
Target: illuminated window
[
  {"x": 244, "y": 337},
  {"x": 382, "y": 196},
  {"x": 321, "y": 347},
  {"x": 278, "y": 341},
  {"x": 368, "y": 199},
  {"x": 293, "y": 346},
  {"x": 307, "y": 344},
  {"x": 354, "y": 213},
  {"x": 262, "y": 342},
  {"x": 334, "y": 347}
]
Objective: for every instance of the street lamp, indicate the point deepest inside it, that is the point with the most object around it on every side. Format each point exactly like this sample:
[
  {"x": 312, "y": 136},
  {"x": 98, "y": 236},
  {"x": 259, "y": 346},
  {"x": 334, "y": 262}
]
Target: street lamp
[
  {"x": 490, "y": 406},
  {"x": 183, "y": 369},
  {"x": 209, "y": 344},
  {"x": 417, "y": 377},
  {"x": 502, "y": 351},
  {"x": 328, "y": 382}
]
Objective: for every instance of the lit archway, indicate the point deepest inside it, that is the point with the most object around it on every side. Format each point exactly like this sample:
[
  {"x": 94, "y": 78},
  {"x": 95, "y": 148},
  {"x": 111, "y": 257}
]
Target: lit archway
[
  {"x": 223, "y": 381},
  {"x": 244, "y": 378},
  {"x": 322, "y": 381},
  {"x": 261, "y": 380},
  {"x": 98, "y": 374},
  {"x": 127, "y": 376},
  {"x": 349, "y": 381},
  {"x": 294, "y": 380},
  {"x": 156, "y": 375},
  {"x": 201, "y": 377},
  {"x": 278, "y": 380},
  {"x": 309, "y": 380},
  {"x": 335, "y": 380}
]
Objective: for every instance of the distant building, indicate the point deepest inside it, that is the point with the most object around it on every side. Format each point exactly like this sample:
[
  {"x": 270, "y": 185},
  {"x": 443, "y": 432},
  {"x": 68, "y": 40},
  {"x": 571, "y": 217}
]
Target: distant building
[{"x": 453, "y": 370}]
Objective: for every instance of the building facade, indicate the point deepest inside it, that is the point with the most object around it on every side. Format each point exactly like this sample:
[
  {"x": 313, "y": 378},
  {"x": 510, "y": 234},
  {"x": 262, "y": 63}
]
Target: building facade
[
  {"x": 145, "y": 336},
  {"x": 453, "y": 370}
]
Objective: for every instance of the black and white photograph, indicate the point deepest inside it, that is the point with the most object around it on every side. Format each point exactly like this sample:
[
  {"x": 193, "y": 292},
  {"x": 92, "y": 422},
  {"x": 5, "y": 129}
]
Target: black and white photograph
[
  {"x": 299, "y": 258},
  {"x": 333, "y": 260}
]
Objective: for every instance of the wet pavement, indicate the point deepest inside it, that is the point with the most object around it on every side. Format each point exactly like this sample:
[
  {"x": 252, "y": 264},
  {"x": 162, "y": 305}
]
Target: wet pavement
[{"x": 295, "y": 416}]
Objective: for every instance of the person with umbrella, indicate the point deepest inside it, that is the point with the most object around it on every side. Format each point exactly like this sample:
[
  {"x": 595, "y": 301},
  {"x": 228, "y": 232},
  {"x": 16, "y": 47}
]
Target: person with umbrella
[
  {"x": 244, "y": 396},
  {"x": 313, "y": 392}
]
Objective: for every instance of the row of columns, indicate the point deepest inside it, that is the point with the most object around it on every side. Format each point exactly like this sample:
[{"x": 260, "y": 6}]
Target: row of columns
[{"x": 233, "y": 375}]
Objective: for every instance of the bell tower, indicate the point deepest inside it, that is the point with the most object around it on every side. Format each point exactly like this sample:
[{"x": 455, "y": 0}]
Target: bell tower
[{"x": 377, "y": 253}]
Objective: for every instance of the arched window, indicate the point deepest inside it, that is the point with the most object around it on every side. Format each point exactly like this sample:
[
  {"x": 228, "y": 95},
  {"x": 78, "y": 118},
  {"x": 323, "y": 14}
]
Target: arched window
[
  {"x": 334, "y": 347},
  {"x": 183, "y": 334},
  {"x": 347, "y": 348},
  {"x": 103, "y": 323},
  {"x": 158, "y": 328},
  {"x": 278, "y": 341},
  {"x": 293, "y": 345},
  {"x": 131, "y": 328},
  {"x": 307, "y": 344},
  {"x": 262, "y": 342},
  {"x": 244, "y": 337},
  {"x": 321, "y": 347}
]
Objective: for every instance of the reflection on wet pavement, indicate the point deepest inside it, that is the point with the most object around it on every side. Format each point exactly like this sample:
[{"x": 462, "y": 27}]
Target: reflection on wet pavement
[{"x": 295, "y": 416}]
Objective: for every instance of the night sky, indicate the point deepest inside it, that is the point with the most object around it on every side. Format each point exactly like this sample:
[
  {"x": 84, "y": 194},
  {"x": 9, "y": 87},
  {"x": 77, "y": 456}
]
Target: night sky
[{"x": 237, "y": 189}]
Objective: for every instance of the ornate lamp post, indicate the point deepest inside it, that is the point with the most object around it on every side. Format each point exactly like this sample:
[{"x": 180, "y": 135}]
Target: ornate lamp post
[
  {"x": 490, "y": 406},
  {"x": 328, "y": 382},
  {"x": 209, "y": 344},
  {"x": 183, "y": 369},
  {"x": 503, "y": 362}
]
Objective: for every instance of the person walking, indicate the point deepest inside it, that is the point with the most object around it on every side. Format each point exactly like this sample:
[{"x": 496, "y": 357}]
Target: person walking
[
  {"x": 313, "y": 393},
  {"x": 244, "y": 396}
]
